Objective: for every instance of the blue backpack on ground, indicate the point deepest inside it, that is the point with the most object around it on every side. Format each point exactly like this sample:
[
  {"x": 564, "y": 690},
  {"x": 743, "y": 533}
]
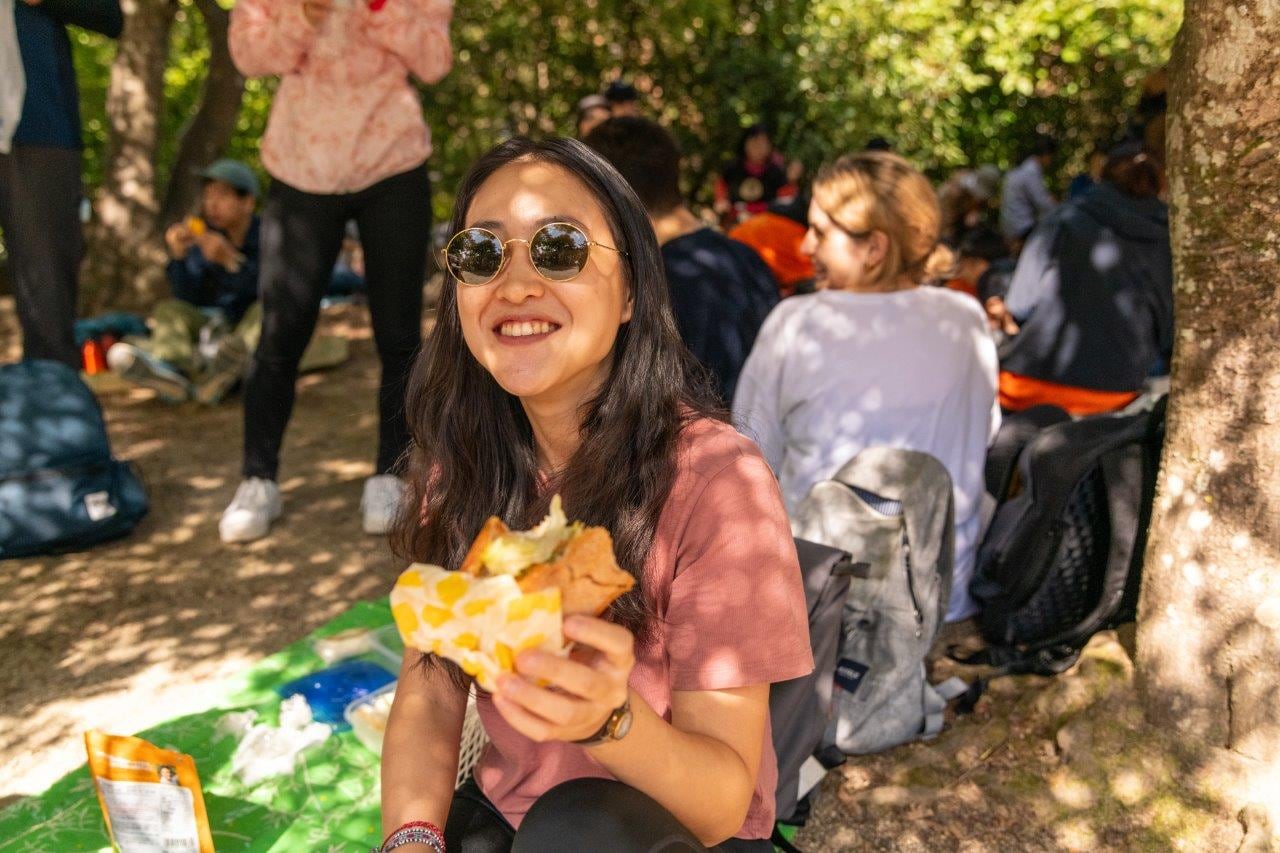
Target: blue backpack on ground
[{"x": 60, "y": 488}]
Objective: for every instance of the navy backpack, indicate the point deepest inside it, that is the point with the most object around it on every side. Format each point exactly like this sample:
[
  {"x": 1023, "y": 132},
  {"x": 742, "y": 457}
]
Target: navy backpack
[{"x": 60, "y": 488}]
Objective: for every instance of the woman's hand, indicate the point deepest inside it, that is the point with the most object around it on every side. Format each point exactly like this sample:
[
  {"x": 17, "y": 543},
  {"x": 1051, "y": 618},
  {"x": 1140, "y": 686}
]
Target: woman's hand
[{"x": 581, "y": 691}]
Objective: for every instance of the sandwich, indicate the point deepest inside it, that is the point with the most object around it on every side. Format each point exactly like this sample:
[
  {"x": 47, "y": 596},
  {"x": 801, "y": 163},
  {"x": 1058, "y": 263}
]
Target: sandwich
[{"x": 510, "y": 594}]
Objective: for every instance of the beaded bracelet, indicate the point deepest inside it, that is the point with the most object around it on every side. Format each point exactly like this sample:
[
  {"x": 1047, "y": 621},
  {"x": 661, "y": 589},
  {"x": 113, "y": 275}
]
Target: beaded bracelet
[{"x": 414, "y": 832}]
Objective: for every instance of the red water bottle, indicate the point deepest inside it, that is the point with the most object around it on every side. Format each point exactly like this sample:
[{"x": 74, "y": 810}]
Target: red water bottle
[{"x": 95, "y": 361}]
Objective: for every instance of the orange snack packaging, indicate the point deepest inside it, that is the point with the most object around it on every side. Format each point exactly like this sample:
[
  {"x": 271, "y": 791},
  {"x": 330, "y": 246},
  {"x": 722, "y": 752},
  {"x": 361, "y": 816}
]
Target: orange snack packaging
[{"x": 150, "y": 797}]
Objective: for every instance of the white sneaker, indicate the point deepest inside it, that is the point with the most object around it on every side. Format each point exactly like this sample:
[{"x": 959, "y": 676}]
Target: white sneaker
[
  {"x": 249, "y": 517},
  {"x": 381, "y": 502},
  {"x": 138, "y": 367}
]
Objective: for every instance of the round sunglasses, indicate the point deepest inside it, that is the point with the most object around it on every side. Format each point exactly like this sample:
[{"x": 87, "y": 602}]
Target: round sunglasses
[{"x": 558, "y": 250}]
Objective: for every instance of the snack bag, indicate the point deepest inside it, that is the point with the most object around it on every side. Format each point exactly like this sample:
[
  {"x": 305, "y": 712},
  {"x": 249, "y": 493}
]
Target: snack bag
[
  {"x": 150, "y": 797},
  {"x": 509, "y": 595},
  {"x": 196, "y": 226}
]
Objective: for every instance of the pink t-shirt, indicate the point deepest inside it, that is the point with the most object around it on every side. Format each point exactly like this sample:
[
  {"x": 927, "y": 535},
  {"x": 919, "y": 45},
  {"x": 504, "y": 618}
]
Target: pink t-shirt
[
  {"x": 729, "y": 598},
  {"x": 345, "y": 116}
]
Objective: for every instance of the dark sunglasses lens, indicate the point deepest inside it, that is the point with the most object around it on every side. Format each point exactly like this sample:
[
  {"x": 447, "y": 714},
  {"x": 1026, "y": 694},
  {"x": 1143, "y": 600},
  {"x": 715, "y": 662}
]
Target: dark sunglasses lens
[
  {"x": 559, "y": 251},
  {"x": 474, "y": 256}
]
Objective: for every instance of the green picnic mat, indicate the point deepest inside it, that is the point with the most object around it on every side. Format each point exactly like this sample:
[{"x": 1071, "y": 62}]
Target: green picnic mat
[{"x": 330, "y": 802}]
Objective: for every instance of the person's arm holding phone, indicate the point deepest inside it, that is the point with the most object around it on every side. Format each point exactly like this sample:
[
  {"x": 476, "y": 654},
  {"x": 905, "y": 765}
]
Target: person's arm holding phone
[
  {"x": 416, "y": 31},
  {"x": 269, "y": 37}
]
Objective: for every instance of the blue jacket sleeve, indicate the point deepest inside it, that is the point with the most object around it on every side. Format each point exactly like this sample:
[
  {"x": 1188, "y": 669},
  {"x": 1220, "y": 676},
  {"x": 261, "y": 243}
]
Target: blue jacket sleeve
[
  {"x": 189, "y": 278},
  {"x": 101, "y": 16}
]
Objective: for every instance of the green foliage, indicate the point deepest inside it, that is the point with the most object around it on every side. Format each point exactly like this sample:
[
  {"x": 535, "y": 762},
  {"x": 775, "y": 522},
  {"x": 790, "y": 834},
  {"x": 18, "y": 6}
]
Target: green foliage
[{"x": 951, "y": 82}]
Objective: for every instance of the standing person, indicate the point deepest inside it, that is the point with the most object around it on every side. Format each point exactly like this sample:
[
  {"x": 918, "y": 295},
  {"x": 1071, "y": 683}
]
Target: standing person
[
  {"x": 1025, "y": 200},
  {"x": 555, "y": 367},
  {"x": 721, "y": 290},
  {"x": 40, "y": 184},
  {"x": 874, "y": 359},
  {"x": 346, "y": 140}
]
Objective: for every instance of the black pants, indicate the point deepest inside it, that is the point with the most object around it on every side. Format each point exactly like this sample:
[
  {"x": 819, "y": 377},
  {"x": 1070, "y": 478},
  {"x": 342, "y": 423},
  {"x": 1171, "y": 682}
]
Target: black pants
[
  {"x": 599, "y": 815},
  {"x": 301, "y": 237},
  {"x": 40, "y": 192}
]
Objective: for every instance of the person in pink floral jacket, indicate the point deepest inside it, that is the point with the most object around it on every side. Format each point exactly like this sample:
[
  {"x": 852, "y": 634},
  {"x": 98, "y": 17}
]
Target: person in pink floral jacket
[{"x": 345, "y": 140}]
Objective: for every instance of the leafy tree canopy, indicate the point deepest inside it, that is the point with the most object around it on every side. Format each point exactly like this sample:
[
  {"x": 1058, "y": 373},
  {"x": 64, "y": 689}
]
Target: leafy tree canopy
[{"x": 952, "y": 83}]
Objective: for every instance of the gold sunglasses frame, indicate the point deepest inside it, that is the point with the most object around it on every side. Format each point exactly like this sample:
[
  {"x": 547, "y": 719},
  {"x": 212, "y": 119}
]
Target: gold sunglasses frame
[{"x": 506, "y": 255}]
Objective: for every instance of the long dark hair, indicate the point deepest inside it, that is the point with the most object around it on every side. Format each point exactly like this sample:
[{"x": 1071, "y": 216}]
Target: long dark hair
[{"x": 473, "y": 451}]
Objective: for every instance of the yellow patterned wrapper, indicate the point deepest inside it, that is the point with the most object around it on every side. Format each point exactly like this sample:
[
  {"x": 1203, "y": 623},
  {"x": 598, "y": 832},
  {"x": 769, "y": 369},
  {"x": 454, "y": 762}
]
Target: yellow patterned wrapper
[{"x": 480, "y": 624}]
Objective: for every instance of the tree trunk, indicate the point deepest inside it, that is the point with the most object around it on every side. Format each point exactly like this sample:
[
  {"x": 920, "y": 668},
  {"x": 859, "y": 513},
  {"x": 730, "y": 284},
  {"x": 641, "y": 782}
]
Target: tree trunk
[
  {"x": 209, "y": 131},
  {"x": 1209, "y": 620},
  {"x": 125, "y": 263}
]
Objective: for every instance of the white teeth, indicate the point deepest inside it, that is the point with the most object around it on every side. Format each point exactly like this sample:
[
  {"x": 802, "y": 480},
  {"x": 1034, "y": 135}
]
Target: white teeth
[{"x": 523, "y": 329}]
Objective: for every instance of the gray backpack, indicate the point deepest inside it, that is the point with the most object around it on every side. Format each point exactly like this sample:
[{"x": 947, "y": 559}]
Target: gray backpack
[{"x": 891, "y": 510}]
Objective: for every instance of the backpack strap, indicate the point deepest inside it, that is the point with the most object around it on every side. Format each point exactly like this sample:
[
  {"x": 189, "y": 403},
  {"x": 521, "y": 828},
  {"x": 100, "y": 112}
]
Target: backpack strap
[
  {"x": 946, "y": 691},
  {"x": 1007, "y": 660}
]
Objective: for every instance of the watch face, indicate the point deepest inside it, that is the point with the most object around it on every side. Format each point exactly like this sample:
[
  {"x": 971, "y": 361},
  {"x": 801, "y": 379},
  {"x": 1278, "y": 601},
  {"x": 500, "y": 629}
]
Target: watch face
[{"x": 623, "y": 725}]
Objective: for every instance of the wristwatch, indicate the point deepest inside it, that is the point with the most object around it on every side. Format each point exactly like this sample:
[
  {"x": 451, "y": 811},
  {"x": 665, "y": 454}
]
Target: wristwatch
[{"x": 615, "y": 727}]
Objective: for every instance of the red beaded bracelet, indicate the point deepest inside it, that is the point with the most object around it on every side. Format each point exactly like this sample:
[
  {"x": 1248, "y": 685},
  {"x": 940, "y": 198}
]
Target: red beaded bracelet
[{"x": 425, "y": 825}]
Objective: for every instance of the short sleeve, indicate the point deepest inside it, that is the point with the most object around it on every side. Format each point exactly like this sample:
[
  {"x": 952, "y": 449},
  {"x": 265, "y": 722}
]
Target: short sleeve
[{"x": 736, "y": 614}]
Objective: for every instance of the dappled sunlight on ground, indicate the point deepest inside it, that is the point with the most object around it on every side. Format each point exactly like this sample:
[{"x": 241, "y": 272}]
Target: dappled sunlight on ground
[
  {"x": 1061, "y": 763},
  {"x": 141, "y": 630}
]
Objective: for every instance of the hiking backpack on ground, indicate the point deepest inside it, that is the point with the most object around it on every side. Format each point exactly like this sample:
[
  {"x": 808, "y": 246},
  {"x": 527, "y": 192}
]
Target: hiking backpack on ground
[
  {"x": 60, "y": 488},
  {"x": 891, "y": 509},
  {"x": 1062, "y": 559}
]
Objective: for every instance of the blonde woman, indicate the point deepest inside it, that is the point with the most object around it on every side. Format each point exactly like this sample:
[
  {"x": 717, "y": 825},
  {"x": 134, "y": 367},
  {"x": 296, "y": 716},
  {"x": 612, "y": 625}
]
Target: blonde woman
[{"x": 874, "y": 359}]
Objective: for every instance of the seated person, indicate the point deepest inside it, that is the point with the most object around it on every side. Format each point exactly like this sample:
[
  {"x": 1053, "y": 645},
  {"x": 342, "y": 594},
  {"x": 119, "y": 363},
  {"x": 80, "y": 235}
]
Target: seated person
[
  {"x": 873, "y": 359},
  {"x": 348, "y": 272},
  {"x": 592, "y": 110},
  {"x": 202, "y": 338},
  {"x": 776, "y": 235},
  {"x": 720, "y": 289},
  {"x": 1089, "y": 310},
  {"x": 655, "y": 734},
  {"x": 978, "y": 250}
]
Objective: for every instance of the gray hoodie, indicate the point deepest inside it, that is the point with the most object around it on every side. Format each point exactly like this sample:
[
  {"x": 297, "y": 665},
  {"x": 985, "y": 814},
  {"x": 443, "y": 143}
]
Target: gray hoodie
[{"x": 1093, "y": 293}]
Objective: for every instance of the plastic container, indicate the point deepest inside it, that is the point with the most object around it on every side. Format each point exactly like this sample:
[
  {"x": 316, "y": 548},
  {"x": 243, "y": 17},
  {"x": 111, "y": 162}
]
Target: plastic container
[
  {"x": 331, "y": 690},
  {"x": 387, "y": 647},
  {"x": 368, "y": 719},
  {"x": 368, "y": 716}
]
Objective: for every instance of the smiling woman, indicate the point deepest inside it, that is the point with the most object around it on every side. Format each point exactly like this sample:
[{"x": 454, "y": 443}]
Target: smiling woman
[{"x": 556, "y": 367}]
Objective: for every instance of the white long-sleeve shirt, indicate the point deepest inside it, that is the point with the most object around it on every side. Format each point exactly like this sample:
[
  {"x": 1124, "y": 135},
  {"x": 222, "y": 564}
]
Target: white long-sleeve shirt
[{"x": 835, "y": 372}]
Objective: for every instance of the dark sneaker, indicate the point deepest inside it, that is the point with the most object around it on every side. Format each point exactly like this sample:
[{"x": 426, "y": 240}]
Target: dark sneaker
[
  {"x": 136, "y": 366},
  {"x": 226, "y": 368}
]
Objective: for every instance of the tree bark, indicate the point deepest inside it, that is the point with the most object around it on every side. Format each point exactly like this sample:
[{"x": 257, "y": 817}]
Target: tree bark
[
  {"x": 210, "y": 129},
  {"x": 1208, "y": 657},
  {"x": 125, "y": 263}
]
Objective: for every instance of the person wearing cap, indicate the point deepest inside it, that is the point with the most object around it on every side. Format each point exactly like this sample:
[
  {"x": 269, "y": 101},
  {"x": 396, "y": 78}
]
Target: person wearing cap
[
  {"x": 201, "y": 338},
  {"x": 213, "y": 276},
  {"x": 40, "y": 172},
  {"x": 592, "y": 110},
  {"x": 623, "y": 99}
]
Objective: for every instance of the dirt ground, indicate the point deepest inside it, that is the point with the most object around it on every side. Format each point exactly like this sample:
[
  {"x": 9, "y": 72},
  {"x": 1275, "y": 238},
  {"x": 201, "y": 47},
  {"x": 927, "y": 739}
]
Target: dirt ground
[{"x": 132, "y": 633}]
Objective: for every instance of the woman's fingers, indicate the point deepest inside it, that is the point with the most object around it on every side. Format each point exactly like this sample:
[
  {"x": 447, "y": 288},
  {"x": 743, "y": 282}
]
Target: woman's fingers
[
  {"x": 558, "y": 708},
  {"x": 576, "y": 678},
  {"x": 615, "y": 642},
  {"x": 525, "y": 722}
]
